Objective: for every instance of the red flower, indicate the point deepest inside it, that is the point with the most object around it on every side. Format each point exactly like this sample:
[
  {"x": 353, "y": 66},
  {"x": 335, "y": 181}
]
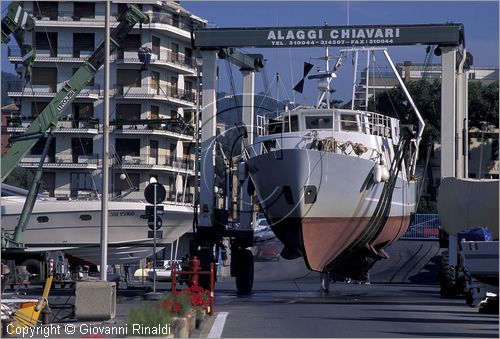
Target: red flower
[{"x": 176, "y": 308}]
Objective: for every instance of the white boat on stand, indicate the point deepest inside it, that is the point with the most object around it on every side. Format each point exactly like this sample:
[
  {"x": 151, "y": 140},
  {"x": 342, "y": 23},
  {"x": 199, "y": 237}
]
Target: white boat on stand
[
  {"x": 74, "y": 226},
  {"x": 336, "y": 185}
]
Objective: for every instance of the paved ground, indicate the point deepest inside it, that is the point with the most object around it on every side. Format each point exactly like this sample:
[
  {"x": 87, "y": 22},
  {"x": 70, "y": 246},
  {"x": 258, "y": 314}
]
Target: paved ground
[{"x": 286, "y": 303}]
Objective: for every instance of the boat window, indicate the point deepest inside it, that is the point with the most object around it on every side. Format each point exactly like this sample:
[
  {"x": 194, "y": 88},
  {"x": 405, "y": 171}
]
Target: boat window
[
  {"x": 348, "y": 122},
  {"x": 321, "y": 122},
  {"x": 294, "y": 123},
  {"x": 42, "y": 219},
  {"x": 85, "y": 217}
]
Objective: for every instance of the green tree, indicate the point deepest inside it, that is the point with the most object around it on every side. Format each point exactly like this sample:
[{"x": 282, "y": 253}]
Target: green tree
[{"x": 20, "y": 177}]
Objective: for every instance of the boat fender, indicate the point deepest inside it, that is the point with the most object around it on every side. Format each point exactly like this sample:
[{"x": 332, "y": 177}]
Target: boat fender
[
  {"x": 377, "y": 173},
  {"x": 380, "y": 173},
  {"x": 384, "y": 173}
]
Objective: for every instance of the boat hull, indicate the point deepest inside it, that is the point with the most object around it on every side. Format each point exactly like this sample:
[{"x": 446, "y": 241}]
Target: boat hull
[
  {"x": 74, "y": 226},
  {"x": 320, "y": 204}
]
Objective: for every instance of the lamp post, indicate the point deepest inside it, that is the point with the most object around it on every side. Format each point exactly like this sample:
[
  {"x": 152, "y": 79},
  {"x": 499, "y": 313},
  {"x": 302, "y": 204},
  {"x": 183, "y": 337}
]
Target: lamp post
[
  {"x": 155, "y": 194},
  {"x": 153, "y": 181}
]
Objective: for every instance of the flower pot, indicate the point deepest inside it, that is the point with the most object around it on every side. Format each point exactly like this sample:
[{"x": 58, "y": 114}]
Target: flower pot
[
  {"x": 200, "y": 316},
  {"x": 191, "y": 317},
  {"x": 180, "y": 327}
]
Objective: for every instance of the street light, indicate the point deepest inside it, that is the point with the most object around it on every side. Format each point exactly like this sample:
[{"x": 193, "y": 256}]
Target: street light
[{"x": 152, "y": 180}]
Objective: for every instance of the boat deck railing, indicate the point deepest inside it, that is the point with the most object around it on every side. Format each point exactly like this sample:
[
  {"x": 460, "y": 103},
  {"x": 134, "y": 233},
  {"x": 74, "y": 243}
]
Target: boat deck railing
[{"x": 343, "y": 121}]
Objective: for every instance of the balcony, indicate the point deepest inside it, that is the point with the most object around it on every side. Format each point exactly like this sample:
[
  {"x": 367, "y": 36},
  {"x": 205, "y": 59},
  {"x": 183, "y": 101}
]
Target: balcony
[
  {"x": 72, "y": 19},
  {"x": 17, "y": 89},
  {"x": 63, "y": 161},
  {"x": 168, "y": 93},
  {"x": 62, "y": 54},
  {"x": 173, "y": 61},
  {"x": 181, "y": 26},
  {"x": 19, "y": 124},
  {"x": 161, "y": 163},
  {"x": 176, "y": 130}
]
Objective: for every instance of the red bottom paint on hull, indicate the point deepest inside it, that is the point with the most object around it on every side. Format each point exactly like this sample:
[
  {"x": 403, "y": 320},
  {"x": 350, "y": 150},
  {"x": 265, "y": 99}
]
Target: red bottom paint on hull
[{"x": 324, "y": 239}]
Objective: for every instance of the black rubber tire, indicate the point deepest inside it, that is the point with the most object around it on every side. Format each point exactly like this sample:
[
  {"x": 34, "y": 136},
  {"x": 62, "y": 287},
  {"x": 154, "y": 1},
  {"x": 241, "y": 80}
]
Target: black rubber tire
[
  {"x": 448, "y": 289},
  {"x": 464, "y": 278},
  {"x": 244, "y": 276}
]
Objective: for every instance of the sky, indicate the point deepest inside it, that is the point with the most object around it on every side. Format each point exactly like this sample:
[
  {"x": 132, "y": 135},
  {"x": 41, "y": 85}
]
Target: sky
[{"x": 480, "y": 19}]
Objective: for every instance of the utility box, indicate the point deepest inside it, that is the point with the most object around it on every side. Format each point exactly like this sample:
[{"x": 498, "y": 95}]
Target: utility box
[{"x": 95, "y": 300}]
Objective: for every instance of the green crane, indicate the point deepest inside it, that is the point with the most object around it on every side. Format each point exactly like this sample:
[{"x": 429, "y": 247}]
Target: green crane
[
  {"x": 46, "y": 121},
  {"x": 16, "y": 22}
]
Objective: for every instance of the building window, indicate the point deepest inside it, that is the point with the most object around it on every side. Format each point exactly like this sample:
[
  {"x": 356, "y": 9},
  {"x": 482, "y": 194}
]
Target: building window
[
  {"x": 173, "y": 87},
  {"x": 83, "y": 42},
  {"x": 83, "y": 111},
  {"x": 45, "y": 77},
  {"x": 155, "y": 42},
  {"x": 37, "y": 149},
  {"x": 46, "y": 41},
  {"x": 132, "y": 42},
  {"x": 128, "y": 112},
  {"x": 153, "y": 150},
  {"x": 44, "y": 9},
  {"x": 155, "y": 82},
  {"x": 175, "y": 20},
  {"x": 80, "y": 182},
  {"x": 494, "y": 149},
  {"x": 84, "y": 10},
  {"x": 188, "y": 56},
  {"x": 128, "y": 78},
  {"x": 155, "y": 112},
  {"x": 81, "y": 147},
  {"x": 175, "y": 52},
  {"x": 130, "y": 147}
]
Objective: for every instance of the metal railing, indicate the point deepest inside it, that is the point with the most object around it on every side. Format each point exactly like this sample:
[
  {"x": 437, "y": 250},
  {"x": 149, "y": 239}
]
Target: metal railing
[
  {"x": 166, "y": 56},
  {"x": 423, "y": 227},
  {"x": 37, "y": 89},
  {"x": 25, "y": 121},
  {"x": 363, "y": 122},
  {"x": 161, "y": 161},
  {"x": 186, "y": 130},
  {"x": 166, "y": 91},
  {"x": 167, "y": 19},
  {"x": 72, "y": 16}
]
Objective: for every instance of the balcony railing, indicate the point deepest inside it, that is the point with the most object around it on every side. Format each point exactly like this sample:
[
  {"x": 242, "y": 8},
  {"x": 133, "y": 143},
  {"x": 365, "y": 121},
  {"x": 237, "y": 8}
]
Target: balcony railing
[
  {"x": 166, "y": 91},
  {"x": 165, "y": 56},
  {"x": 65, "y": 123},
  {"x": 72, "y": 16},
  {"x": 48, "y": 89},
  {"x": 177, "y": 128},
  {"x": 150, "y": 161},
  {"x": 60, "y": 53},
  {"x": 167, "y": 19},
  {"x": 65, "y": 160}
]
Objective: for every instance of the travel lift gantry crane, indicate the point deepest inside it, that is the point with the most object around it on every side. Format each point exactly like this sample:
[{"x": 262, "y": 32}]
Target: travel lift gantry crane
[
  {"x": 450, "y": 41},
  {"x": 44, "y": 124}
]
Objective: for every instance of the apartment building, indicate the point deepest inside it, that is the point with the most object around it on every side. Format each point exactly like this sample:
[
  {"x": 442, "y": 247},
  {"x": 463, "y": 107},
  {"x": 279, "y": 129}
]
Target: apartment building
[{"x": 66, "y": 34}]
